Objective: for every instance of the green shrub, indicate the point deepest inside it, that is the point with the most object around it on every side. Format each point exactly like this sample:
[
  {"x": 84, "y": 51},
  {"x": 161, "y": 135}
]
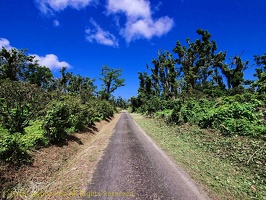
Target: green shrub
[
  {"x": 78, "y": 119},
  {"x": 20, "y": 102},
  {"x": 106, "y": 109},
  {"x": 78, "y": 114},
  {"x": 187, "y": 112},
  {"x": 163, "y": 113},
  {"x": 11, "y": 148},
  {"x": 153, "y": 105},
  {"x": 253, "y": 99},
  {"x": 234, "y": 118},
  {"x": 14, "y": 147},
  {"x": 175, "y": 116},
  {"x": 192, "y": 111},
  {"x": 56, "y": 122},
  {"x": 34, "y": 137}
]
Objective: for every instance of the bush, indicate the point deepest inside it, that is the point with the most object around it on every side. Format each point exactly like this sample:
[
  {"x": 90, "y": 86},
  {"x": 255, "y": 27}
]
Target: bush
[
  {"x": 237, "y": 114},
  {"x": 175, "y": 116},
  {"x": 106, "y": 109},
  {"x": 234, "y": 118},
  {"x": 78, "y": 114},
  {"x": 11, "y": 148},
  {"x": 14, "y": 147},
  {"x": 153, "y": 105},
  {"x": 34, "y": 137},
  {"x": 193, "y": 111},
  {"x": 19, "y": 103},
  {"x": 56, "y": 122}
]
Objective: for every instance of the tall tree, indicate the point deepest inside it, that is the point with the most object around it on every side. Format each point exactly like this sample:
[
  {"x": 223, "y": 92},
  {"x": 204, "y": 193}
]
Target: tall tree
[
  {"x": 111, "y": 81},
  {"x": 82, "y": 86},
  {"x": 64, "y": 80},
  {"x": 14, "y": 64},
  {"x": 164, "y": 75},
  {"x": 234, "y": 74},
  {"x": 145, "y": 90},
  {"x": 198, "y": 61},
  {"x": 39, "y": 75},
  {"x": 260, "y": 84}
]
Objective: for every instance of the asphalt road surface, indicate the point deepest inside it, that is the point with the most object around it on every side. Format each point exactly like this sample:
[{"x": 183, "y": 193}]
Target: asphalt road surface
[{"x": 133, "y": 167}]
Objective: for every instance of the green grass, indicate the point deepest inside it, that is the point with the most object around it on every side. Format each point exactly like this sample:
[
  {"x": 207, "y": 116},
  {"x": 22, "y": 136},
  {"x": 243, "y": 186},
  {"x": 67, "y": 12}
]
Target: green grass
[{"x": 229, "y": 167}]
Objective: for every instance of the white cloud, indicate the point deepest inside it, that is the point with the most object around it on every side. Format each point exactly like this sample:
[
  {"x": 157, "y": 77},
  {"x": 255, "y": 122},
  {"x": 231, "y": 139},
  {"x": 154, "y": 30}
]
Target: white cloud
[
  {"x": 50, "y": 6},
  {"x": 5, "y": 43},
  {"x": 51, "y": 61},
  {"x": 132, "y": 8},
  {"x": 147, "y": 28},
  {"x": 139, "y": 20},
  {"x": 140, "y": 23},
  {"x": 100, "y": 36}
]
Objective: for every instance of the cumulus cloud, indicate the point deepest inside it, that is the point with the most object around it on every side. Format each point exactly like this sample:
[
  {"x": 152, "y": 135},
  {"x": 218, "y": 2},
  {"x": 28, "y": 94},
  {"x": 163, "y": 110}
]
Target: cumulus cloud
[
  {"x": 51, "y": 61},
  {"x": 5, "y": 43},
  {"x": 97, "y": 34},
  {"x": 146, "y": 28},
  {"x": 140, "y": 23},
  {"x": 132, "y": 8},
  {"x": 51, "y": 6},
  {"x": 139, "y": 20}
]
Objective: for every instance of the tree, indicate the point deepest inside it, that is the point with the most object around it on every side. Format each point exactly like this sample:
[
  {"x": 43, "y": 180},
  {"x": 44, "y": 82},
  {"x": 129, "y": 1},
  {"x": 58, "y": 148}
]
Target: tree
[
  {"x": 260, "y": 84},
  {"x": 235, "y": 75},
  {"x": 111, "y": 81},
  {"x": 167, "y": 75},
  {"x": 20, "y": 102},
  {"x": 120, "y": 102},
  {"x": 39, "y": 75},
  {"x": 14, "y": 64},
  {"x": 145, "y": 90},
  {"x": 135, "y": 103},
  {"x": 82, "y": 86},
  {"x": 198, "y": 62}
]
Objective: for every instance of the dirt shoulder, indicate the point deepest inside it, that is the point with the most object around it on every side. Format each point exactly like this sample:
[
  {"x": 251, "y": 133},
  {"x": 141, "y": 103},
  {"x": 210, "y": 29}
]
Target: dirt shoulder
[{"x": 61, "y": 171}]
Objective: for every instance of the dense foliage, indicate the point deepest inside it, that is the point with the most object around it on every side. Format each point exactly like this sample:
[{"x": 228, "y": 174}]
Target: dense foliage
[
  {"x": 206, "y": 102},
  {"x": 37, "y": 109},
  {"x": 197, "y": 85}
]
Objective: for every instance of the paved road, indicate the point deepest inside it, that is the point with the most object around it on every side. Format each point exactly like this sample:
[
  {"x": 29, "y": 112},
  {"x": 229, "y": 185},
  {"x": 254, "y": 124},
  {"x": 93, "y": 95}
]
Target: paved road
[{"x": 133, "y": 167}]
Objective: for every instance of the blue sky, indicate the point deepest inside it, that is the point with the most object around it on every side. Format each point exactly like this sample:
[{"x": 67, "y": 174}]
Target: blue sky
[{"x": 86, "y": 34}]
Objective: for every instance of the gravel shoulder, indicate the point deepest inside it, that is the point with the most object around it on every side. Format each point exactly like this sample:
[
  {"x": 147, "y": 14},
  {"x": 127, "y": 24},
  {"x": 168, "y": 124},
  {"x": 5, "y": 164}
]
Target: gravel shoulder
[{"x": 134, "y": 167}]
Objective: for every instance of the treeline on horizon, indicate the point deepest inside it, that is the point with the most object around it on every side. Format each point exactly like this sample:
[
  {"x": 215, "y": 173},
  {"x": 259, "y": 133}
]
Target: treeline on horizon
[
  {"x": 194, "y": 84},
  {"x": 38, "y": 110}
]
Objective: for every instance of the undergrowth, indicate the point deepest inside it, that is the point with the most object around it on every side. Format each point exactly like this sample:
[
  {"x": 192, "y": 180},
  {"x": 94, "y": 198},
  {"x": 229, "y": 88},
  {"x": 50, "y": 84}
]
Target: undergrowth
[{"x": 230, "y": 166}]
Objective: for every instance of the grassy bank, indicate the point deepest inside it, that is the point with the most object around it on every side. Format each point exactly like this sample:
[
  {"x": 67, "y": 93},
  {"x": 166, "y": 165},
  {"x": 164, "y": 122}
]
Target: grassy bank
[{"x": 229, "y": 167}]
